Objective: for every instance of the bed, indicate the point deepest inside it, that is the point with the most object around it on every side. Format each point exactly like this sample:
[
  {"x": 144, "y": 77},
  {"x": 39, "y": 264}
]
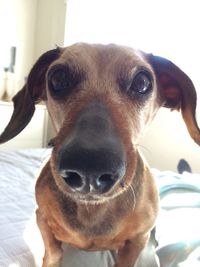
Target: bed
[
  {"x": 19, "y": 236},
  {"x": 177, "y": 229}
]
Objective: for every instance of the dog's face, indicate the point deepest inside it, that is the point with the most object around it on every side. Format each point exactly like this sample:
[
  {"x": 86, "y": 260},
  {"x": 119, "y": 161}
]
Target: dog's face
[{"x": 100, "y": 99}]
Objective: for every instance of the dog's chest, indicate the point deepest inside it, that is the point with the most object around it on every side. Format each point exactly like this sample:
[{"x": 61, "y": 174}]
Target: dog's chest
[
  {"x": 89, "y": 238},
  {"x": 86, "y": 228},
  {"x": 89, "y": 226}
]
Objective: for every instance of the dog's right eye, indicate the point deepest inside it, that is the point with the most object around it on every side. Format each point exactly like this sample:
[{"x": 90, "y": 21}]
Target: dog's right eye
[{"x": 59, "y": 80}]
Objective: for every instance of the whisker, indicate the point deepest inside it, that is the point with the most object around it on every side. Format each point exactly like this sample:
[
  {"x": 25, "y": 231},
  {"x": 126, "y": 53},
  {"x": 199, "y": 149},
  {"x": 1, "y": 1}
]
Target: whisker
[
  {"x": 86, "y": 206},
  {"x": 134, "y": 197},
  {"x": 144, "y": 148},
  {"x": 131, "y": 189}
]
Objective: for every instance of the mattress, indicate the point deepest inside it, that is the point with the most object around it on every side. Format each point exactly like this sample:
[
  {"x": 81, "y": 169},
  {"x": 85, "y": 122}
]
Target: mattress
[{"x": 20, "y": 241}]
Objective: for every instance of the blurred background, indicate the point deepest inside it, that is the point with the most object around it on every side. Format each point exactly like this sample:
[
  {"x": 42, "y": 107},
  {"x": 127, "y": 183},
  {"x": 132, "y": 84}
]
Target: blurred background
[{"x": 170, "y": 29}]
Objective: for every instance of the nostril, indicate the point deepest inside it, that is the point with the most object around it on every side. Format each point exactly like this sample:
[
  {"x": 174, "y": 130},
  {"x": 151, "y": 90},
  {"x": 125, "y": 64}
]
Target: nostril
[
  {"x": 106, "y": 179},
  {"x": 73, "y": 179}
]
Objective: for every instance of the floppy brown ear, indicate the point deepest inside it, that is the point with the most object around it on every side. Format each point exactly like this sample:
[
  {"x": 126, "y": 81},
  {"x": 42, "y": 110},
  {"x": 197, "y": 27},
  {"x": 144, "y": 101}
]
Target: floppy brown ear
[
  {"x": 32, "y": 92},
  {"x": 178, "y": 92}
]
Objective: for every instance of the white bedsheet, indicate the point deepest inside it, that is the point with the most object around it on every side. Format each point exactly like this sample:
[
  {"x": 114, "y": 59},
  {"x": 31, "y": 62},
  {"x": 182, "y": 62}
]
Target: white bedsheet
[{"x": 19, "y": 235}]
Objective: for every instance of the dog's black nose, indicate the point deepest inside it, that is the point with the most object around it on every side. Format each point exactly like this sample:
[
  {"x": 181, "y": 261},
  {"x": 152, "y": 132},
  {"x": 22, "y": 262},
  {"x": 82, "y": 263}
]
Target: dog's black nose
[
  {"x": 90, "y": 170},
  {"x": 92, "y": 159}
]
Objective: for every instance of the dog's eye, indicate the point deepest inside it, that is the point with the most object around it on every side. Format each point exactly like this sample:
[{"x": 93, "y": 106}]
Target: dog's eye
[
  {"x": 62, "y": 80},
  {"x": 142, "y": 83},
  {"x": 58, "y": 80}
]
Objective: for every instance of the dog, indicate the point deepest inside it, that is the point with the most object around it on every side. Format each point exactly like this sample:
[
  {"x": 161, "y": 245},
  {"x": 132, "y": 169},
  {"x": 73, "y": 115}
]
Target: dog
[{"x": 96, "y": 191}]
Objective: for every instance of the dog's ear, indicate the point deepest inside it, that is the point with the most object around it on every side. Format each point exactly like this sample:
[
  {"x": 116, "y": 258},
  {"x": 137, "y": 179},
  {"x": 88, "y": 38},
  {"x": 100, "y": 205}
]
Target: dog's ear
[
  {"x": 178, "y": 92},
  {"x": 32, "y": 93}
]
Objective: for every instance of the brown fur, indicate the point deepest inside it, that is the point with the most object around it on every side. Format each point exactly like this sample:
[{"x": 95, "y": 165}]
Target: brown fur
[{"x": 122, "y": 218}]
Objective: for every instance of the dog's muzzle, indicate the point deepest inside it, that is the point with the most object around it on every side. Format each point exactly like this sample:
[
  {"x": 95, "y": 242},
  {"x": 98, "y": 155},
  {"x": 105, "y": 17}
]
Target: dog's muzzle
[{"x": 92, "y": 159}]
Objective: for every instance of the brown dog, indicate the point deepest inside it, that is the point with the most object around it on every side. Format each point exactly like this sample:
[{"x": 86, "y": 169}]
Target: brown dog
[{"x": 96, "y": 192}]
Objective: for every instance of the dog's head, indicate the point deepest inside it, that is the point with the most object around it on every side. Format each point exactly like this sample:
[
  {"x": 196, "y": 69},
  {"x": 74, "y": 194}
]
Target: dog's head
[{"x": 100, "y": 99}]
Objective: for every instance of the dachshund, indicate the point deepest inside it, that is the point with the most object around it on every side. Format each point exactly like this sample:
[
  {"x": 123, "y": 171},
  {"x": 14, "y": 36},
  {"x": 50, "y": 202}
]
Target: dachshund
[{"x": 96, "y": 192}]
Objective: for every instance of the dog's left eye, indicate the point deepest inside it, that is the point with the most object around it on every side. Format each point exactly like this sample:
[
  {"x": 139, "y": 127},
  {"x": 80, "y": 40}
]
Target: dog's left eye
[{"x": 142, "y": 83}]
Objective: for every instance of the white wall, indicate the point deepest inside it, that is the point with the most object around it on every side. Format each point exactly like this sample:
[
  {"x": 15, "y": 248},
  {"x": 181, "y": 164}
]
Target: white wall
[
  {"x": 167, "y": 141},
  {"x": 17, "y": 28},
  {"x": 50, "y": 25},
  {"x": 33, "y": 26}
]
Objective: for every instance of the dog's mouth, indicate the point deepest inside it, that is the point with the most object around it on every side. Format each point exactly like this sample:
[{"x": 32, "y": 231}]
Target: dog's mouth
[{"x": 93, "y": 197}]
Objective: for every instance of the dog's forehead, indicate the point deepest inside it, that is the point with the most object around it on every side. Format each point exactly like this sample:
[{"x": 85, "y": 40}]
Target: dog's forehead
[{"x": 99, "y": 56}]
